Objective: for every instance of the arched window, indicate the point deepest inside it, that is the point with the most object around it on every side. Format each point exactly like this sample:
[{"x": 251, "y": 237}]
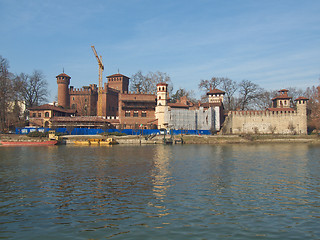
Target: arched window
[{"x": 46, "y": 114}]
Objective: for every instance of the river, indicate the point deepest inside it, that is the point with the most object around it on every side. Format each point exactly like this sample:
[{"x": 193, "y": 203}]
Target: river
[{"x": 234, "y": 191}]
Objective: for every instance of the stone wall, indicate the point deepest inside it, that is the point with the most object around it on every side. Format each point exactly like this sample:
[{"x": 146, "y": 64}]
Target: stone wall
[{"x": 265, "y": 122}]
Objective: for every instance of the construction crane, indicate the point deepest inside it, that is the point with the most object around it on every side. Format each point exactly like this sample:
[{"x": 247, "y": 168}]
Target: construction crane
[{"x": 101, "y": 68}]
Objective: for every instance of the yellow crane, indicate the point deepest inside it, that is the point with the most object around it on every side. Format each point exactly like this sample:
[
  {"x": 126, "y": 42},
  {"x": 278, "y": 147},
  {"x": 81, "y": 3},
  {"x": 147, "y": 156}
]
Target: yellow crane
[{"x": 101, "y": 68}]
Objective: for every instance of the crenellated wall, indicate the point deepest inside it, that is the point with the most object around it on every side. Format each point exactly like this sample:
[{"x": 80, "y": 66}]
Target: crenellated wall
[
  {"x": 84, "y": 99},
  {"x": 265, "y": 122}
]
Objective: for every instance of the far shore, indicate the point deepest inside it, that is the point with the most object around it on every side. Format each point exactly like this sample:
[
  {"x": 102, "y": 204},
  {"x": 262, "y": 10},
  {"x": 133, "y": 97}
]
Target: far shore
[{"x": 186, "y": 139}]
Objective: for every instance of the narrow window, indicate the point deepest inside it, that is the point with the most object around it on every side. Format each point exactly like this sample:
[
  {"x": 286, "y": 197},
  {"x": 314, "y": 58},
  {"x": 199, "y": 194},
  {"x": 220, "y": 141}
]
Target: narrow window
[{"x": 135, "y": 114}]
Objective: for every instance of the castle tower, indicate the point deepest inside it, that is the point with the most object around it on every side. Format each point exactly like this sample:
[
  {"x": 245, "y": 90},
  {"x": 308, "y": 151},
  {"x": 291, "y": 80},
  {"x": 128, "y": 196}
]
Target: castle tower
[
  {"x": 162, "y": 108},
  {"x": 215, "y": 96},
  {"x": 301, "y": 103},
  {"x": 119, "y": 82},
  {"x": 282, "y": 100},
  {"x": 63, "y": 81},
  {"x": 162, "y": 94}
]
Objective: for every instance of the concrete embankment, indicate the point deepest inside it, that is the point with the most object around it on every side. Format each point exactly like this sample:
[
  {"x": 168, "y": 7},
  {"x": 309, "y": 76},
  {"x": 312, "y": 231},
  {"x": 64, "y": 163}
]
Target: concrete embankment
[{"x": 206, "y": 139}]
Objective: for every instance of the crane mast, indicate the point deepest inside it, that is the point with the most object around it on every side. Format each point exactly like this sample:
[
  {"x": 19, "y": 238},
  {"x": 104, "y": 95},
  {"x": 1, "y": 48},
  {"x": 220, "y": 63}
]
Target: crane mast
[{"x": 101, "y": 68}]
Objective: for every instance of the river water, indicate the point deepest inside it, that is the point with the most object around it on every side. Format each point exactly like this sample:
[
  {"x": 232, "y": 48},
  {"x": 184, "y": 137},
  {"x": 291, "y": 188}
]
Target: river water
[{"x": 264, "y": 191}]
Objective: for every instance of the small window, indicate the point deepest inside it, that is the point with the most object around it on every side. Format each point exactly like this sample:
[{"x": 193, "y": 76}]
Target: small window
[
  {"x": 143, "y": 114},
  {"x": 46, "y": 114},
  {"x": 127, "y": 114},
  {"x": 34, "y": 115},
  {"x": 39, "y": 114},
  {"x": 135, "y": 114}
]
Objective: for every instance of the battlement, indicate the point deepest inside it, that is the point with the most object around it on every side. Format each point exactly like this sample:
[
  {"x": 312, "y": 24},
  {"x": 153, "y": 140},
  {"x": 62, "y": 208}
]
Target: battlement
[
  {"x": 85, "y": 90},
  {"x": 251, "y": 113}
]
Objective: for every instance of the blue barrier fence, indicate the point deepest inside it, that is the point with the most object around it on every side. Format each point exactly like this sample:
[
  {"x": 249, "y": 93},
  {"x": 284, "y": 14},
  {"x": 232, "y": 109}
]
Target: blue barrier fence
[{"x": 88, "y": 131}]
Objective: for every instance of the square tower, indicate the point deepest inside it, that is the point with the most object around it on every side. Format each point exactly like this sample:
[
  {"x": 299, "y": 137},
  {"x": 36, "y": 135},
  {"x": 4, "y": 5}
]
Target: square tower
[{"x": 119, "y": 82}]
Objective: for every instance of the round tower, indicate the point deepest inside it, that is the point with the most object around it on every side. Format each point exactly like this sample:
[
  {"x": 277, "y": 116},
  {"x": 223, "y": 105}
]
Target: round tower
[
  {"x": 162, "y": 94},
  {"x": 63, "y": 81}
]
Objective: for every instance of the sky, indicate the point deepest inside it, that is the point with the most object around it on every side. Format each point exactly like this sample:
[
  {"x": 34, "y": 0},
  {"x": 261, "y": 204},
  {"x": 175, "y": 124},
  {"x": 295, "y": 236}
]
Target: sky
[{"x": 274, "y": 43}]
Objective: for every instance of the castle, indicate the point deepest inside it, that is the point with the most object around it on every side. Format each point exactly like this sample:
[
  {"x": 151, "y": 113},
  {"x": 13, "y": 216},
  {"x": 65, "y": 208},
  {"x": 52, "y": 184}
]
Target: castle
[
  {"x": 122, "y": 109},
  {"x": 77, "y": 107}
]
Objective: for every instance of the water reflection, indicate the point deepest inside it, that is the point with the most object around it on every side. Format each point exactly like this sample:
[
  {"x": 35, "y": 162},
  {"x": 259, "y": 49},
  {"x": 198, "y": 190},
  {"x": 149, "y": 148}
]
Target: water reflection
[{"x": 161, "y": 192}]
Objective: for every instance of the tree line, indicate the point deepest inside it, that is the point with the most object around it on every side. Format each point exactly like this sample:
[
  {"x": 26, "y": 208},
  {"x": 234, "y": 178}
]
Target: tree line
[{"x": 17, "y": 90}]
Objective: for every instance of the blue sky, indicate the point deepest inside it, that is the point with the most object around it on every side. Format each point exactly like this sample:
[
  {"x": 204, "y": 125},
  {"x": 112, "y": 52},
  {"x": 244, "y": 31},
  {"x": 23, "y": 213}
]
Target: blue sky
[{"x": 275, "y": 44}]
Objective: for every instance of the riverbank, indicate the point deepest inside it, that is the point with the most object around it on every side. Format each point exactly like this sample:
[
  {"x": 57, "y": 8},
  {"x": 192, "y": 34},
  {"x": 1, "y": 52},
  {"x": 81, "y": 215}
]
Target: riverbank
[
  {"x": 206, "y": 139},
  {"x": 186, "y": 139},
  {"x": 224, "y": 139}
]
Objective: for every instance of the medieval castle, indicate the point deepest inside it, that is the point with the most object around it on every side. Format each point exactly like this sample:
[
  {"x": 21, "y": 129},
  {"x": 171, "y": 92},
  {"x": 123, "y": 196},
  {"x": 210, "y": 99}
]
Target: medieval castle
[{"x": 122, "y": 109}]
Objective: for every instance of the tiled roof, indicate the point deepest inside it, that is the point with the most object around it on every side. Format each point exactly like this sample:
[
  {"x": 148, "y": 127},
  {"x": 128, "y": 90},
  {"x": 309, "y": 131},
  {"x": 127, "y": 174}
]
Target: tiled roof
[
  {"x": 117, "y": 75},
  {"x": 162, "y": 84},
  {"x": 215, "y": 91},
  {"x": 54, "y": 108},
  {"x": 178, "y": 105},
  {"x": 301, "y": 98},
  {"x": 63, "y": 75},
  {"x": 284, "y": 96}
]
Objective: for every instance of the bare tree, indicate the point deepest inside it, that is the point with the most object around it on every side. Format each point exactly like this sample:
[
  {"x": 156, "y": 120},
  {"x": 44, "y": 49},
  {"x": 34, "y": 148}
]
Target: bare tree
[
  {"x": 147, "y": 83},
  {"x": 206, "y": 85},
  {"x": 137, "y": 82},
  {"x": 181, "y": 93},
  {"x": 313, "y": 107},
  {"x": 6, "y": 92},
  {"x": 229, "y": 87},
  {"x": 34, "y": 88},
  {"x": 263, "y": 99},
  {"x": 248, "y": 92}
]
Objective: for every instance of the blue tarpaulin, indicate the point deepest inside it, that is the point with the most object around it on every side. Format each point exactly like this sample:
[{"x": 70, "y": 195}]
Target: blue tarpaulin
[{"x": 90, "y": 131}]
